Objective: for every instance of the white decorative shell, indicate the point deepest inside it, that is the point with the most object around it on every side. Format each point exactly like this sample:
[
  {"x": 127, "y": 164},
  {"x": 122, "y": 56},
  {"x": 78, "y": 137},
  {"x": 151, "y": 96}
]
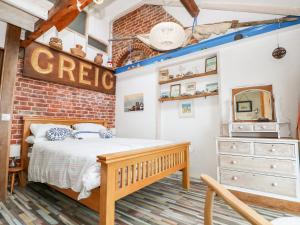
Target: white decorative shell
[{"x": 167, "y": 36}]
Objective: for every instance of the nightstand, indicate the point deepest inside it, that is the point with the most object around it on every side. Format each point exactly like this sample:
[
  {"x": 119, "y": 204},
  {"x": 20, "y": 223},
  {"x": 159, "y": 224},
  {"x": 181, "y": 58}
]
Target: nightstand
[{"x": 13, "y": 171}]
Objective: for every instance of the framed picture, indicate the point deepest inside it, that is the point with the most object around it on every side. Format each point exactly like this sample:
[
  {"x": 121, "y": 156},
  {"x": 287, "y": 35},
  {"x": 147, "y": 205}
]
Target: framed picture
[
  {"x": 175, "y": 90},
  {"x": 244, "y": 106},
  {"x": 164, "y": 75},
  {"x": 186, "y": 109},
  {"x": 212, "y": 87},
  {"x": 211, "y": 64},
  {"x": 190, "y": 88},
  {"x": 134, "y": 102}
]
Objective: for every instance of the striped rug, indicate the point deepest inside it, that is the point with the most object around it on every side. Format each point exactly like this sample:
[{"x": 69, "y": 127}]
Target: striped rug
[{"x": 163, "y": 203}]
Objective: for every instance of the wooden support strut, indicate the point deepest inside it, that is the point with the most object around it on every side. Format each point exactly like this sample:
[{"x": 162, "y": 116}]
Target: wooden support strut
[
  {"x": 60, "y": 16},
  {"x": 191, "y": 7},
  {"x": 8, "y": 78}
]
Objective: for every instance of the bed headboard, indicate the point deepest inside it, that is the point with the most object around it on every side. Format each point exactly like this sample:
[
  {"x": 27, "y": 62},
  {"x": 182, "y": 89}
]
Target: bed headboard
[{"x": 44, "y": 120}]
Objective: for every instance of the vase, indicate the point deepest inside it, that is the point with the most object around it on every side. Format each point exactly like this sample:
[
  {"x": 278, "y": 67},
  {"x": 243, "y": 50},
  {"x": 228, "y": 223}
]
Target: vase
[
  {"x": 77, "y": 51},
  {"x": 56, "y": 43},
  {"x": 98, "y": 59}
]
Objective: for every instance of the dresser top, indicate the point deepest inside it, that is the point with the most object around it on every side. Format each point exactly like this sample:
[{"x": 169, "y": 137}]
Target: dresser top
[{"x": 281, "y": 140}]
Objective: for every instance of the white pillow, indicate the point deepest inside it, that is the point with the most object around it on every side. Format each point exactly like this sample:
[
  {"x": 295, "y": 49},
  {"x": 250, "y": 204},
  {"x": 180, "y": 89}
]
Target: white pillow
[
  {"x": 89, "y": 127},
  {"x": 86, "y": 134},
  {"x": 40, "y": 130},
  {"x": 32, "y": 140}
]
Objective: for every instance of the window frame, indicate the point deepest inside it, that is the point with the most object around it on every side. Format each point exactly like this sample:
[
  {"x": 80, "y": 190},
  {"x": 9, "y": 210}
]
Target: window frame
[{"x": 99, "y": 40}]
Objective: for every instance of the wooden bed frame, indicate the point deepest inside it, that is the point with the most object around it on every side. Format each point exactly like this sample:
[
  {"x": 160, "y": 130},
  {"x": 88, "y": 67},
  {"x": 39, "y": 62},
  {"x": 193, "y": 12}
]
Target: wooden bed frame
[{"x": 121, "y": 173}]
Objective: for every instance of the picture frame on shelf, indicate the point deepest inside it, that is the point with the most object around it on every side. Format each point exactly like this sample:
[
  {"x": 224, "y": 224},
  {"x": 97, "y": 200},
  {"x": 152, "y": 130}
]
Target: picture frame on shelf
[
  {"x": 165, "y": 94},
  {"x": 186, "y": 109},
  {"x": 164, "y": 75},
  {"x": 212, "y": 87},
  {"x": 175, "y": 90},
  {"x": 244, "y": 106},
  {"x": 211, "y": 64},
  {"x": 190, "y": 88}
]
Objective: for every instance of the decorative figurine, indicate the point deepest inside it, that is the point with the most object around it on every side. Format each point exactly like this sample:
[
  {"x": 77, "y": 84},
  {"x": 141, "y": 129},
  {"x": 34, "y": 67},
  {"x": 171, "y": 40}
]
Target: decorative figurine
[
  {"x": 99, "y": 59},
  {"x": 77, "y": 51},
  {"x": 56, "y": 43}
]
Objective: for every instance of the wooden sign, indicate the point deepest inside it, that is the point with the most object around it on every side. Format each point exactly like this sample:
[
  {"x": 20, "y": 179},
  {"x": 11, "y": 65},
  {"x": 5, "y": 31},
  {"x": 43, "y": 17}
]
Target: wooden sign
[{"x": 45, "y": 63}]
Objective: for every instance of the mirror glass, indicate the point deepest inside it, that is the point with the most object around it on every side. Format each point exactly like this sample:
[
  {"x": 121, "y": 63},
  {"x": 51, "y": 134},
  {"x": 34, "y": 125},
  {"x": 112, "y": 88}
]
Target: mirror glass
[{"x": 253, "y": 105}]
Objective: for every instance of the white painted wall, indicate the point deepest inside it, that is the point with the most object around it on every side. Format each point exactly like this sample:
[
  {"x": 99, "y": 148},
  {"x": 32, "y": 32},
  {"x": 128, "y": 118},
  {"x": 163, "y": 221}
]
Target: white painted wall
[
  {"x": 140, "y": 124},
  {"x": 99, "y": 28},
  {"x": 250, "y": 63},
  {"x": 245, "y": 63}
]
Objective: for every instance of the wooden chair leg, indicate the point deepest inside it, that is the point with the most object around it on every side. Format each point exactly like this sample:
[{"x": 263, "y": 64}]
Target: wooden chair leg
[
  {"x": 12, "y": 184},
  {"x": 22, "y": 179},
  {"x": 208, "y": 209}
]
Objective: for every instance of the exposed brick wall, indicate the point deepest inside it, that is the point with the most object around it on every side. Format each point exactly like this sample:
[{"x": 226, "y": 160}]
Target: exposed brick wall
[
  {"x": 140, "y": 21},
  {"x": 33, "y": 97}
]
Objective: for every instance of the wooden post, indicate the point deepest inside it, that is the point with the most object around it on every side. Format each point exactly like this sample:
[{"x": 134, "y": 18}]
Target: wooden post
[
  {"x": 107, "y": 190},
  {"x": 8, "y": 78},
  {"x": 208, "y": 210},
  {"x": 186, "y": 170}
]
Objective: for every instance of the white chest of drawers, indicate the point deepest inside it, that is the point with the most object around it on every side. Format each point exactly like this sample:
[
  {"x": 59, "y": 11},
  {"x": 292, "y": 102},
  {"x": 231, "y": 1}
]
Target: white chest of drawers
[
  {"x": 258, "y": 129},
  {"x": 267, "y": 167}
]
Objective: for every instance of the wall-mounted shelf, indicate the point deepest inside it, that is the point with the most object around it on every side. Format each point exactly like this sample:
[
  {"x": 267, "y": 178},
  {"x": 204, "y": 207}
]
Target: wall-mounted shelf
[
  {"x": 204, "y": 95},
  {"x": 189, "y": 77}
]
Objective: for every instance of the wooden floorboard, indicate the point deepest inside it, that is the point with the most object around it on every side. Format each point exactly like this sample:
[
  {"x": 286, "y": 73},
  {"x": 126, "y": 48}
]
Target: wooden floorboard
[{"x": 163, "y": 203}]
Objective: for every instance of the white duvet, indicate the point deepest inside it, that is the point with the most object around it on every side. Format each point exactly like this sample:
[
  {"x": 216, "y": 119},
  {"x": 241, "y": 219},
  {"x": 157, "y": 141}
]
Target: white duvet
[{"x": 72, "y": 163}]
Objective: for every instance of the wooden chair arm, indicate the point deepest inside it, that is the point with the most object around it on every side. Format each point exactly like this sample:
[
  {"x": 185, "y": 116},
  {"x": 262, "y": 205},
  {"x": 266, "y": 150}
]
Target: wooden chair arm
[{"x": 248, "y": 213}]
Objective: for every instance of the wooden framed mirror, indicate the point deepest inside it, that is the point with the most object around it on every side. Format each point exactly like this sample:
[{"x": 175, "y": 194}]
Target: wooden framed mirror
[{"x": 253, "y": 104}]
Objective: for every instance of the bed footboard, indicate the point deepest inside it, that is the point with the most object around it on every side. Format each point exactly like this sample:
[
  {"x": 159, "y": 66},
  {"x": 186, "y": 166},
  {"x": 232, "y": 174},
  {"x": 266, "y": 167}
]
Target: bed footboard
[{"x": 125, "y": 173}]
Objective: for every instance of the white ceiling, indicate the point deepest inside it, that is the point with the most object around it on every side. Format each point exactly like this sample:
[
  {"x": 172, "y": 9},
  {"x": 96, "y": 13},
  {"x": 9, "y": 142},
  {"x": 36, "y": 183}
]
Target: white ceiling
[
  {"x": 274, "y": 7},
  {"x": 24, "y": 13}
]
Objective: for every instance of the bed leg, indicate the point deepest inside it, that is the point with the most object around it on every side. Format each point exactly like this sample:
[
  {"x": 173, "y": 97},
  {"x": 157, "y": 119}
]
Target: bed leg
[
  {"x": 186, "y": 178},
  {"x": 186, "y": 171},
  {"x": 107, "y": 200}
]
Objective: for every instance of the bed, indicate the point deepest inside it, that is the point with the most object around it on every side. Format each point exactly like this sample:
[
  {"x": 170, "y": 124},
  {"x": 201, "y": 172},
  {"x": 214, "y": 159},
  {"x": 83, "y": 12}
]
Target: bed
[{"x": 121, "y": 173}]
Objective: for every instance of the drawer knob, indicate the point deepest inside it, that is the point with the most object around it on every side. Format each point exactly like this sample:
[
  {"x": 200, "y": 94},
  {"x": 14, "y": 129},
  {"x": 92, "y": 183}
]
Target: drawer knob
[
  {"x": 273, "y": 150},
  {"x": 233, "y": 162},
  {"x": 241, "y": 127},
  {"x": 233, "y": 146},
  {"x": 234, "y": 178},
  {"x": 273, "y": 166},
  {"x": 263, "y": 127},
  {"x": 274, "y": 184}
]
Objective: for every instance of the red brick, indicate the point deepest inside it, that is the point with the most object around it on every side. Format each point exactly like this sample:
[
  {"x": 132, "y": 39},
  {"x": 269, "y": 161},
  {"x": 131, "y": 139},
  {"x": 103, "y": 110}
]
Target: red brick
[{"x": 40, "y": 98}]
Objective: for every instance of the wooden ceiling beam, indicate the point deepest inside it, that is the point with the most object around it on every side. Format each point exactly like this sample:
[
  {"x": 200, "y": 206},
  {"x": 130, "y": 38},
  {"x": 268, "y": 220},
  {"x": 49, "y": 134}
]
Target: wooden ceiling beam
[
  {"x": 191, "y": 7},
  {"x": 60, "y": 16}
]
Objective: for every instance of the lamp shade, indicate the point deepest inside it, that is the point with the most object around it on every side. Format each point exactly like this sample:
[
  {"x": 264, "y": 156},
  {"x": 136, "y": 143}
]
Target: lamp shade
[
  {"x": 167, "y": 36},
  {"x": 15, "y": 151}
]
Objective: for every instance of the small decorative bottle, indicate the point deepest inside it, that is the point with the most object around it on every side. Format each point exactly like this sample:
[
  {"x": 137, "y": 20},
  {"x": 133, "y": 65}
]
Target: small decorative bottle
[{"x": 99, "y": 59}]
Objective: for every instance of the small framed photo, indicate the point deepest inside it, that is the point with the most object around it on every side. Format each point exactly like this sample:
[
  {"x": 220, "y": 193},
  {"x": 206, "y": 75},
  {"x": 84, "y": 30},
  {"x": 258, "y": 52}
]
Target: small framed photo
[
  {"x": 211, "y": 64},
  {"x": 244, "y": 106},
  {"x": 175, "y": 90},
  {"x": 134, "y": 102},
  {"x": 164, "y": 75},
  {"x": 186, "y": 109},
  {"x": 212, "y": 87},
  {"x": 190, "y": 88}
]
